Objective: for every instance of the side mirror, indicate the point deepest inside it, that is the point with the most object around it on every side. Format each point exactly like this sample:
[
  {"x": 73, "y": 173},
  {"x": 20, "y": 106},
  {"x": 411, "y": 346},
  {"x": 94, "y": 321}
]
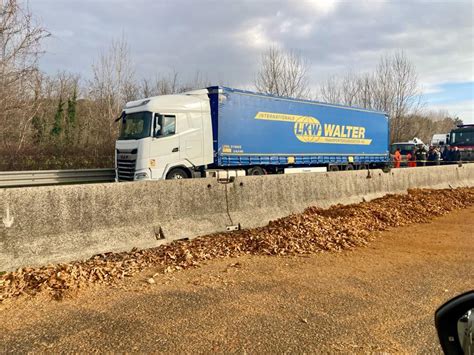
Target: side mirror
[
  {"x": 121, "y": 117},
  {"x": 454, "y": 322}
]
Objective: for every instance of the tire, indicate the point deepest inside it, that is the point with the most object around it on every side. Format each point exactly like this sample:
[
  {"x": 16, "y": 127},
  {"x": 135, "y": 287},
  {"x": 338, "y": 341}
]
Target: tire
[
  {"x": 177, "y": 174},
  {"x": 256, "y": 170},
  {"x": 363, "y": 167},
  {"x": 349, "y": 167},
  {"x": 333, "y": 168}
]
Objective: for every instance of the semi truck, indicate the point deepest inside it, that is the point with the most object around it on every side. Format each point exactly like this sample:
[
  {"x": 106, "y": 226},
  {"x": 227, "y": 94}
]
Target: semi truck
[
  {"x": 462, "y": 138},
  {"x": 201, "y": 132}
]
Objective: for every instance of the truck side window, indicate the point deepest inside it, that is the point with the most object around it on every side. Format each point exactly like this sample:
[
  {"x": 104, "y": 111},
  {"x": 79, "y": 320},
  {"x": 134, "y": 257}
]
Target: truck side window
[{"x": 165, "y": 125}]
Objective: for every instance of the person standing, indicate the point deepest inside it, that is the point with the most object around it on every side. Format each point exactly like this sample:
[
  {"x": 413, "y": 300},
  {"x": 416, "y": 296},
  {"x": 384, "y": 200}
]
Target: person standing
[
  {"x": 397, "y": 158},
  {"x": 456, "y": 155},
  {"x": 451, "y": 155},
  {"x": 437, "y": 156},
  {"x": 411, "y": 157},
  {"x": 420, "y": 155},
  {"x": 431, "y": 155},
  {"x": 445, "y": 153}
]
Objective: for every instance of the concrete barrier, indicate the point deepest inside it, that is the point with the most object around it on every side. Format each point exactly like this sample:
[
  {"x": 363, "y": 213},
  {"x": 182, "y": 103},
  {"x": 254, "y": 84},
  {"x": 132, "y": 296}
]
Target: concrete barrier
[{"x": 62, "y": 223}]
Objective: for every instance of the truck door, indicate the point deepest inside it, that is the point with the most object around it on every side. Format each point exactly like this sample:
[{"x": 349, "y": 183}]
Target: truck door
[
  {"x": 191, "y": 138},
  {"x": 165, "y": 146}
]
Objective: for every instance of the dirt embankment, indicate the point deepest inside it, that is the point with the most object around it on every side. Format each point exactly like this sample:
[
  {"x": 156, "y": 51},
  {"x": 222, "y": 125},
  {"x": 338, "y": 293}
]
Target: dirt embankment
[
  {"x": 375, "y": 299},
  {"x": 315, "y": 230}
]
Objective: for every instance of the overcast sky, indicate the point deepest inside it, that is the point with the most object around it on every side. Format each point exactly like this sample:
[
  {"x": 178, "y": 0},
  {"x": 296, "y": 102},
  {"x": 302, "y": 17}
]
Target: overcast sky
[{"x": 223, "y": 39}]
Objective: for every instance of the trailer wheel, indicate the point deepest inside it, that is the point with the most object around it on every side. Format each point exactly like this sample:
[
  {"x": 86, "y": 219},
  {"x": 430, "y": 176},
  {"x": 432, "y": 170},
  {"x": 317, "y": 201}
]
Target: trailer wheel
[
  {"x": 176, "y": 174},
  {"x": 363, "y": 167},
  {"x": 349, "y": 167},
  {"x": 333, "y": 168},
  {"x": 256, "y": 170}
]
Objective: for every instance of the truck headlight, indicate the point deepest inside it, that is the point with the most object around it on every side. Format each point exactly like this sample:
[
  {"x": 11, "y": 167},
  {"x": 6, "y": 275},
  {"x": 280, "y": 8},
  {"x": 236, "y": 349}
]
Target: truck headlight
[{"x": 141, "y": 176}]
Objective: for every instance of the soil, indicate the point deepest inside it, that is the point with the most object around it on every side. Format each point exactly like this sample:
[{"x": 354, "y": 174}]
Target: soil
[{"x": 375, "y": 298}]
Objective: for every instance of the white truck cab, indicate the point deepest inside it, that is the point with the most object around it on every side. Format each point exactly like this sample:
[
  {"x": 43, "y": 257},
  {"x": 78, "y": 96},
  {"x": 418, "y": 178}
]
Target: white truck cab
[{"x": 167, "y": 136}]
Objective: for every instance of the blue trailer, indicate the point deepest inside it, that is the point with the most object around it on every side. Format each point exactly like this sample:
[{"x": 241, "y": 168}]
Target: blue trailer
[
  {"x": 187, "y": 135},
  {"x": 272, "y": 132}
]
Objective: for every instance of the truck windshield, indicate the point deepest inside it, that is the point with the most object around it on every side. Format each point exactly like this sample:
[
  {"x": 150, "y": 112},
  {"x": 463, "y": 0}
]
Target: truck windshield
[
  {"x": 136, "y": 125},
  {"x": 464, "y": 137}
]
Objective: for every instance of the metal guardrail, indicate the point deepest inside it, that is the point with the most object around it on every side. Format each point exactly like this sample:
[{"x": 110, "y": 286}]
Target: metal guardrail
[{"x": 54, "y": 177}]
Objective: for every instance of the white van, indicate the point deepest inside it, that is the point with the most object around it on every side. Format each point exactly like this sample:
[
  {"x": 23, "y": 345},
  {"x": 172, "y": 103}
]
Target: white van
[{"x": 439, "y": 139}]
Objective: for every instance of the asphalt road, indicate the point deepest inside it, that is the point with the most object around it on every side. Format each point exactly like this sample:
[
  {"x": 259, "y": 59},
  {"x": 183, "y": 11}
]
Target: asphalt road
[{"x": 378, "y": 298}]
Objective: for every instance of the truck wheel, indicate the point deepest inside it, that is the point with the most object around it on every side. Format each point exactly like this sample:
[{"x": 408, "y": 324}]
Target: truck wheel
[
  {"x": 349, "y": 167},
  {"x": 256, "y": 170},
  {"x": 176, "y": 174},
  {"x": 333, "y": 168}
]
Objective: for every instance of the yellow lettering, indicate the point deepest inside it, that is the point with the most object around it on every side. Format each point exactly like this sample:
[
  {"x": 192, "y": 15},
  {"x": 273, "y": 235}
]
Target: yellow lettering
[
  {"x": 355, "y": 132},
  {"x": 328, "y": 130},
  {"x": 349, "y": 131},
  {"x": 337, "y": 131},
  {"x": 361, "y": 132},
  {"x": 343, "y": 135}
]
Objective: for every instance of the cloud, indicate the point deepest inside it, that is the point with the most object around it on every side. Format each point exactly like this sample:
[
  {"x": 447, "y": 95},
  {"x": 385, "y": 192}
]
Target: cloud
[
  {"x": 457, "y": 98},
  {"x": 255, "y": 37},
  {"x": 223, "y": 39},
  {"x": 461, "y": 109}
]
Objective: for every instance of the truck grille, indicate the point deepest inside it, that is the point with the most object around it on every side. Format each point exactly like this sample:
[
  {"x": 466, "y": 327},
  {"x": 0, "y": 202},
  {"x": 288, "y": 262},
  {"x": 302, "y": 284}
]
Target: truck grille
[{"x": 126, "y": 161}]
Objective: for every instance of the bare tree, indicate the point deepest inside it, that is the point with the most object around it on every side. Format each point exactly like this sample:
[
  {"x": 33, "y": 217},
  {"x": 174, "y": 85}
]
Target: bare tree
[
  {"x": 283, "y": 73},
  {"x": 365, "y": 97},
  {"x": 112, "y": 85},
  {"x": 351, "y": 89},
  {"x": 199, "y": 81},
  {"x": 170, "y": 84},
  {"x": 397, "y": 92},
  {"x": 392, "y": 87},
  {"x": 425, "y": 123},
  {"x": 20, "y": 80},
  {"x": 164, "y": 85},
  {"x": 331, "y": 90}
]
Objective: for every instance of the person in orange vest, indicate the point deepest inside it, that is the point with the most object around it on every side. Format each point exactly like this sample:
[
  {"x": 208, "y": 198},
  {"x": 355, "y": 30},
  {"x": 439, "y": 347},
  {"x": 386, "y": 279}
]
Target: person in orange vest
[
  {"x": 408, "y": 158},
  {"x": 397, "y": 158},
  {"x": 411, "y": 157}
]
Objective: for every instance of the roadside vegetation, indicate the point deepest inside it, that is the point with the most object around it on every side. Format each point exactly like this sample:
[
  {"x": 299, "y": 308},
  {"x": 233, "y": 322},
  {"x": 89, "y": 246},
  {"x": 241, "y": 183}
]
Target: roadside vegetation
[{"x": 66, "y": 121}]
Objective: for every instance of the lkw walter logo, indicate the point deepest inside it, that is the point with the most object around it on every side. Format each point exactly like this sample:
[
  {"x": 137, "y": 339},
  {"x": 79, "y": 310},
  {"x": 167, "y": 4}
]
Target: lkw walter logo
[{"x": 308, "y": 129}]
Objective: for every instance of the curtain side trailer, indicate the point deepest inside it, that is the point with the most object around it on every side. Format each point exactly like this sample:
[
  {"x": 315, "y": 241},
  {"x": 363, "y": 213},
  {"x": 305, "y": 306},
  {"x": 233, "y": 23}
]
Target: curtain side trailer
[{"x": 218, "y": 128}]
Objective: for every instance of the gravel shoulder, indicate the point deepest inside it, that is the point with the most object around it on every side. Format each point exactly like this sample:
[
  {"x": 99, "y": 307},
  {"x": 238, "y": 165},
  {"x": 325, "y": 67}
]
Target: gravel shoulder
[{"x": 376, "y": 298}]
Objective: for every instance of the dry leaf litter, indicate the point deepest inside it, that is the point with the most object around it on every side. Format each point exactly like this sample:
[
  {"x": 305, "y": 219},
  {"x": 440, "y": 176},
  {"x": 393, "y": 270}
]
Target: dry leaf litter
[{"x": 315, "y": 230}]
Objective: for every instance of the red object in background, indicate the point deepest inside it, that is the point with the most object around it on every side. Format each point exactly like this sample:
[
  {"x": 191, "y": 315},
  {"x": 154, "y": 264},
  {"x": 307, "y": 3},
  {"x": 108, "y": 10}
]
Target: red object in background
[{"x": 411, "y": 160}]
